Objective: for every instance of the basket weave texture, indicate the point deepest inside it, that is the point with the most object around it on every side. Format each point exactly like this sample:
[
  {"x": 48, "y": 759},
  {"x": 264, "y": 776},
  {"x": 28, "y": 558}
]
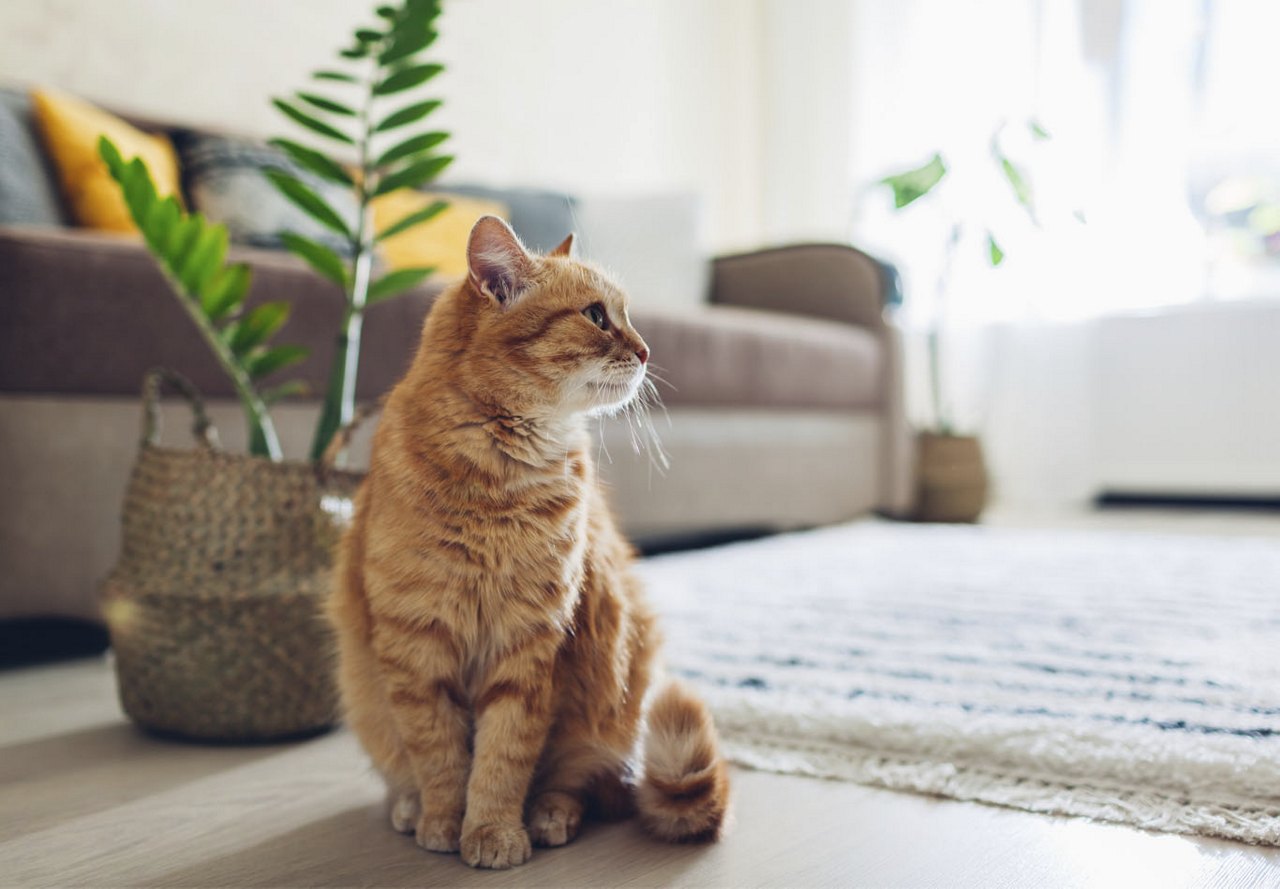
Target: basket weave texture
[{"x": 214, "y": 603}]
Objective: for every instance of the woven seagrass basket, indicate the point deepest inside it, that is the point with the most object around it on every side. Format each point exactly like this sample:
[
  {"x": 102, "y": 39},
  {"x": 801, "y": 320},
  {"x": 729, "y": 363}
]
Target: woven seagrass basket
[{"x": 214, "y": 604}]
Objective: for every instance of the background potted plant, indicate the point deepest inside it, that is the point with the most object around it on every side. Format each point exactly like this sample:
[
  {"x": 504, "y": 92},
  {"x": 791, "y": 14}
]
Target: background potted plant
[
  {"x": 213, "y": 603},
  {"x": 952, "y": 480}
]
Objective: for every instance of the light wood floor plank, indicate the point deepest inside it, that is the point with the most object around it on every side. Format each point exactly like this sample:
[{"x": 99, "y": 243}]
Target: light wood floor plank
[{"x": 86, "y": 800}]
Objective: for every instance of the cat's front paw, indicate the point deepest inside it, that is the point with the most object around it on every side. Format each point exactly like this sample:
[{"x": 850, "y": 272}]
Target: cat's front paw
[
  {"x": 496, "y": 845},
  {"x": 404, "y": 809},
  {"x": 437, "y": 833},
  {"x": 554, "y": 818}
]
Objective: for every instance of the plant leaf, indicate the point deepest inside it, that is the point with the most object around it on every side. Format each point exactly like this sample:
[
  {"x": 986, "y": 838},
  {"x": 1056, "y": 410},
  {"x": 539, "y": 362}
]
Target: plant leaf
[
  {"x": 1037, "y": 131},
  {"x": 205, "y": 257},
  {"x": 307, "y": 200},
  {"x": 994, "y": 253},
  {"x": 159, "y": 223},
  {"x": 327, "y": 104},
  {"x": 911, "y": 185},
  {"x": 258, "y": 326},
  {"x": 180, "y": 241},
  {"x": 318, "y": 256},
  {"x": 1017, "y": 180},
  {"x": 139, "y": 190},
  {"x": 412, "y": 145},
  {"x": 285, "y": 390},
  {"x": 272, "y": 360},
  {"x": 311, "y": 123},
  {"x": 406, "y": 78},
  {"x": 111, "y": 156},
  {"x": 359, "y": 51},
  {"x": 368, "y": 35},
  {"x": 396, "y": 283},
  {"x": 339, "y": 76},
  {"x": 414, "y": 175},
  {"x": 408, "y": 114},
  {"x": 412, "y": 219},
  {"x": 407, "y": 42},
  {"x": 226, "y": 291},
  {"x": 320, "y": 164}
]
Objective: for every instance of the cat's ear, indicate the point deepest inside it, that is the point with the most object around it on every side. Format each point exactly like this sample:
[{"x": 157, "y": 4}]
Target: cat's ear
[
  {"x": 565, "y": 248},
  {"x": 497, "y": 263}
]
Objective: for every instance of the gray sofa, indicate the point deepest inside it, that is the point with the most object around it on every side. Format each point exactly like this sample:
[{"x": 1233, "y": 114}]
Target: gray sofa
[{"x": 785, "y": 396}]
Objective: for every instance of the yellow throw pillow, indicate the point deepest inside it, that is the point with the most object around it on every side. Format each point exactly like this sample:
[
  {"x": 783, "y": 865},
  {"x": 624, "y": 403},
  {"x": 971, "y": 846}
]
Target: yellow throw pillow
[
  {"x": 71, "y": 128},
  {"x": 440, "y": 241}
]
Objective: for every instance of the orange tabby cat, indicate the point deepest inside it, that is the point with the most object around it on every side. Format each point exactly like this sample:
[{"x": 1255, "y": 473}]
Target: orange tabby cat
[{"x": 495, "y": 648}]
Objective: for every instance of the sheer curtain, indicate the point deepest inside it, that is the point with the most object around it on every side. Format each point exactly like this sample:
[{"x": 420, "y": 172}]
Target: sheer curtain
[
  {"x": 1152, "y": 192},
  {"x": 1114, "y": 82}
]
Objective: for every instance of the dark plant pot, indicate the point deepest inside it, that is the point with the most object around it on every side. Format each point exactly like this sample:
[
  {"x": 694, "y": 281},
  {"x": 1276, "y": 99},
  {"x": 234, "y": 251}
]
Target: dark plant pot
[{"x": 951, "y": 478}]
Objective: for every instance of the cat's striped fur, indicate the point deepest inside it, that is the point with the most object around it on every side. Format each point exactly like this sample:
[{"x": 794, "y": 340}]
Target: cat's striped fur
[{"x": 496, "y": 651}]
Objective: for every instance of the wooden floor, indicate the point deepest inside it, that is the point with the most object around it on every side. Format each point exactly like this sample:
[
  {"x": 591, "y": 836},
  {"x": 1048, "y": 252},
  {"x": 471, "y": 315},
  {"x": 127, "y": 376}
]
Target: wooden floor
[{"x": 86, "y": 800}]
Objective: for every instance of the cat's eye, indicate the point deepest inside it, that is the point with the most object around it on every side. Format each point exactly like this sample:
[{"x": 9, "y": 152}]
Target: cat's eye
[{"x": 596, "y": 315}]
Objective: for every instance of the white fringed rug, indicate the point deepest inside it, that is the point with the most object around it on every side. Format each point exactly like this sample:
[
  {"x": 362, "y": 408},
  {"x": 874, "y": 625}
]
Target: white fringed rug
[{"x": 1127, "y": 677}]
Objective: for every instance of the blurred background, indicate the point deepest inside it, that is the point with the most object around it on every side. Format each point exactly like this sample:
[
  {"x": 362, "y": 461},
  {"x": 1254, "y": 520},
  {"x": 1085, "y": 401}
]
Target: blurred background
[{"x": 1125, "y": 344}]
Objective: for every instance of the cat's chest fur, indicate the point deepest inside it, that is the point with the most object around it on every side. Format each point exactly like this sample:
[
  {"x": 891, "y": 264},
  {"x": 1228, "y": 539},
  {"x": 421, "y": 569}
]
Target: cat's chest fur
[{"x": 497, "y": 557}]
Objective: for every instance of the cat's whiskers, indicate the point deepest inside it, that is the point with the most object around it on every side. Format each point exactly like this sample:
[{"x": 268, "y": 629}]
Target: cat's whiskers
[
  {"x": 655, "y": 372},
  {"x": 646, "y": 396}
]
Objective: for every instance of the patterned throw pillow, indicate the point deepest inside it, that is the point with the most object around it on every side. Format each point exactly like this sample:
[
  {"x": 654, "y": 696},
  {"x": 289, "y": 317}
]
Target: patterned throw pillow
[
  {"x": 224, "y": 181},
  {"x": 28, "y": 190}
]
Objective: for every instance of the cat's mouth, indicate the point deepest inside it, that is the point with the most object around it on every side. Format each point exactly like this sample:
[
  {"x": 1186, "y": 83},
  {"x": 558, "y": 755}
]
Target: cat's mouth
[{"x": 618, "y": 390}]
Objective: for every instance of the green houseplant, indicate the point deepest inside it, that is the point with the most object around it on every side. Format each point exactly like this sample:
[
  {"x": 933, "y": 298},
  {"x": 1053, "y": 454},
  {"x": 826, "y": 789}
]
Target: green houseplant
[
  {"x": 192, "y": 252},
  {"x": 952, "y": 483},
  {"x": 212, "y": 605},
  {"x": 383, "y": 66},
  {"x": 385, "y": 149}
]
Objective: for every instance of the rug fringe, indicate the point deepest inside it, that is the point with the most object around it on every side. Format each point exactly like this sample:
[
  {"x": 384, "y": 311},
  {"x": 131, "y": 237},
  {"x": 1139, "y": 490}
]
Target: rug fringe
[{"x": 1144, "y": 809}]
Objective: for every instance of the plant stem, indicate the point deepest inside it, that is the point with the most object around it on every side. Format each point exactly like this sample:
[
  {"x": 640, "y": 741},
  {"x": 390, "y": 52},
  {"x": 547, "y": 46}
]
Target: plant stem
[
  {"x": 263, "y": 441},
  {"x": 340, "y": 398},
  {"x": 935, "y": 382},
  {"x": 941, "y": 415}
]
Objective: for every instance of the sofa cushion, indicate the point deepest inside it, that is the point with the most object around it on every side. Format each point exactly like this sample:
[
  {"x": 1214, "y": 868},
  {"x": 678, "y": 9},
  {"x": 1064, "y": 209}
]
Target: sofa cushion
[
  {"x": 28, "y": 189},
  {"x": 224, "y": 180},
  {"x": 440, "y": 242},
  {"x": 87, "y": 314},
  {"x": 71, "y": 129},
  {"x": 720, "y": 356},
  {"x": 649, "y": 243}
]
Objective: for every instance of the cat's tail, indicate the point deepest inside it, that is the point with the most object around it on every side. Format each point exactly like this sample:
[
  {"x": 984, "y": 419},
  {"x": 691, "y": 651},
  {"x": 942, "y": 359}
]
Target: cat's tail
[{"x": 684, "y": 795}]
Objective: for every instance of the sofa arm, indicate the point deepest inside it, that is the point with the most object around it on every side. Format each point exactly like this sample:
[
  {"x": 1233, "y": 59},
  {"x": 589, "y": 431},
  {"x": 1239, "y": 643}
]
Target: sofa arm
[
  {"x": 831, "y": 281},
  {"x": 837, "y": 283}
]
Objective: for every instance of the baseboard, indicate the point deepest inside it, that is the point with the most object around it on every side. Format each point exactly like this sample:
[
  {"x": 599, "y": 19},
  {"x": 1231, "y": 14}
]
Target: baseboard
[
  {"x": 36, "y": 640},
  {"x": 1123, "y": 500}
]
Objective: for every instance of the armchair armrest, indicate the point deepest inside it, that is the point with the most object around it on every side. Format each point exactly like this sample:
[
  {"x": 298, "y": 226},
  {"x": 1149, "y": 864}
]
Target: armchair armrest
[
  {"x": 837, "y": 283},
  {"x": 831, "y": 281}
]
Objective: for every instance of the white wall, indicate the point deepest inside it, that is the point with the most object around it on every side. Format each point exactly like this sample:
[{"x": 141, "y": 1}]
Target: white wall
[
  {"x": 1187, "y": 403},
  {"x": 609, "y": 96}
]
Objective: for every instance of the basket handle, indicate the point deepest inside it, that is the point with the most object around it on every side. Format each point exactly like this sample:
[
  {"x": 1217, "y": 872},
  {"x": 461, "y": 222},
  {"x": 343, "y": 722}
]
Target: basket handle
[
  {"x": 153, "y": 382},
  {"x": 342, "y": 438}
]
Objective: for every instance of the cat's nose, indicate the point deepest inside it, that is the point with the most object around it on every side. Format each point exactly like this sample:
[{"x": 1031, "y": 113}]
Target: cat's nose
[{"x": 643, "y": 353}]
